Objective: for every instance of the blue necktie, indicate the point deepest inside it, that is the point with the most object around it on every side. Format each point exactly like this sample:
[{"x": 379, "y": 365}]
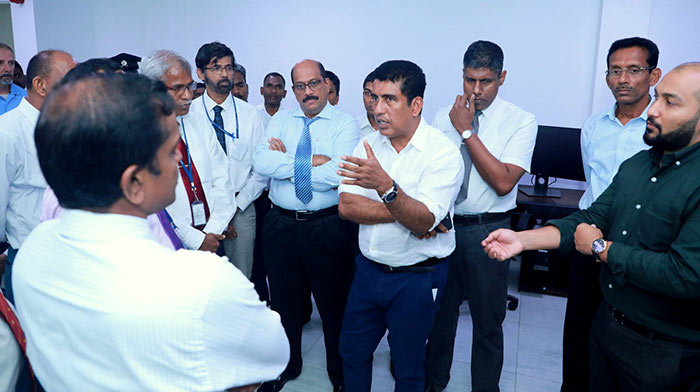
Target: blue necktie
[
  {"x": 218, "y": 120},
  {"x": 302, "y": 164}
]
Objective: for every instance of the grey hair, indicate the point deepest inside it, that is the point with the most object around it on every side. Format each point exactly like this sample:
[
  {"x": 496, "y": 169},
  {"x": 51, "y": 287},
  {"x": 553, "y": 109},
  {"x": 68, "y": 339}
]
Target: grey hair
[{"x": 157, "y": 63}]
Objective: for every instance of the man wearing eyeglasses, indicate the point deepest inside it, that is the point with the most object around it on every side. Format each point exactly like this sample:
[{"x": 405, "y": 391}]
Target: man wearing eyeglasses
[
  {"x": 367, "y": 123},
  {"x": 202, "y": 208},
  {"x": 607, "y": 139},
  {"x": 238, "y": 127},
  {"x": 306, "y": 243},
  {"x": 240, "y": 85}
]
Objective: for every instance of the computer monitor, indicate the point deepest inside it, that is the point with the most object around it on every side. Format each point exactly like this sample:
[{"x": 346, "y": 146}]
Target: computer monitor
[{"x": 557, "y": 154}]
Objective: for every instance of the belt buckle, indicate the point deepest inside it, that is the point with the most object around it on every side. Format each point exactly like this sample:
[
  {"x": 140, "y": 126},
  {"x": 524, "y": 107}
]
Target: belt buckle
[{"x": 300, "y": 218}]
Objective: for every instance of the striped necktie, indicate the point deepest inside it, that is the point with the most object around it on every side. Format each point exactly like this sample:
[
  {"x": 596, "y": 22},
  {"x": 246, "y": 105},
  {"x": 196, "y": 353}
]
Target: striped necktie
[{"x": 302, "y": 164}]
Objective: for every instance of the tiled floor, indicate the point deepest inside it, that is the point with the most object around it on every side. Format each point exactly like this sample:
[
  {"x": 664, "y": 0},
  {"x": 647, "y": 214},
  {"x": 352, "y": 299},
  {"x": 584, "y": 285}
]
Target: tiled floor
[{"x": 532, "y": 358}]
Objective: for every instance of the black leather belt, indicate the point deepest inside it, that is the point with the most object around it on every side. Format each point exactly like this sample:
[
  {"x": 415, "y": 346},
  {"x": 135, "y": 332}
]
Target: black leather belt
[
  {"x": 424, "y": 266},
  {"x": 488, "y": 217},
  {"x": 644, "y": 331},
  {"x": 303, "y": 216}
]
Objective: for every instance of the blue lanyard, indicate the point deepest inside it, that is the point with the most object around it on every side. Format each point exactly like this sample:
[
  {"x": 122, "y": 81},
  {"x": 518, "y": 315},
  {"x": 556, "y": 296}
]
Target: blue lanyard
[
  {"x": 188, "y": 168},
  {"x": 235, "y": 110},
  {"x": 170, "y": 219}
]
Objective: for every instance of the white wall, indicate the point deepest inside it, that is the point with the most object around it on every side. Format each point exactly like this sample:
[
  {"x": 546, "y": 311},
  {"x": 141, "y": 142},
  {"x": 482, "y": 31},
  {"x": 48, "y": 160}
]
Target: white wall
[{"x": 554, "y": 50}]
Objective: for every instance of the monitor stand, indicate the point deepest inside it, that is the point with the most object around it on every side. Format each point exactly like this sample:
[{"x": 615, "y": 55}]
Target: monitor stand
[{"x": 541, "y": 188}]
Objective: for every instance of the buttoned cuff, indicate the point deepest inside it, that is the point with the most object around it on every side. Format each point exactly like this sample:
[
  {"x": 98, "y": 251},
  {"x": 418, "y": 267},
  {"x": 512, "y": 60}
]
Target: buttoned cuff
[{"x": 618, "y": 254}]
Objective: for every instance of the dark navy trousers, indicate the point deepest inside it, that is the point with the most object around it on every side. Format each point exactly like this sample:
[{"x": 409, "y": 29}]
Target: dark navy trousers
[{"x": 402, "y": 302}]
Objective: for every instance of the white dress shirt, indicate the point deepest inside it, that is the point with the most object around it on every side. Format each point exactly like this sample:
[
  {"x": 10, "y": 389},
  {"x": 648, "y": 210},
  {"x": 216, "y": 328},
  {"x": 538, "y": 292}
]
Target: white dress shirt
[
  {"x": 106, "y": 308},
  {"x": 365, "y": 126},
  {"x": 509, "y": 134},
  {"x": 430, "y": 170},
  {"x": 605, "y": 144},
  {"x": 212, "y": 167},
  {"x": 264, "y": 115},
  {"x": 240, "y": 151},
  {"x": 22, "y": 183}
]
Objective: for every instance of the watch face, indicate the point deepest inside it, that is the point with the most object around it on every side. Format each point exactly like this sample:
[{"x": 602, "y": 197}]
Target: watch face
[
  {"x": 598, "y": 245},
  {"x": 390, "y": 197},
  {"x": 467, "y": 134}
]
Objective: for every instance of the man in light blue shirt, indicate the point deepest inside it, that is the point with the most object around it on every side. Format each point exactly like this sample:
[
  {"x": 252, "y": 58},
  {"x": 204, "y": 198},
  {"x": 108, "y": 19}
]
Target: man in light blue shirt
[
  {"x": 10, "y": 94},
  {"x": 306, "y": 243},
  {"x": 607, "y": 139}
]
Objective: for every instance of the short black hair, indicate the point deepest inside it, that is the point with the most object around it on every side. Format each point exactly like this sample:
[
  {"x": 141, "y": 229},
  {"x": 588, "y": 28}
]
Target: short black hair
[
  {"x": 321, "y": 70},
  {"x": 241, "y": 70},
  {"x": 335, "y": 80},
  {"x": 368, "y": 79},
  {"x": 279, "y": 75},
  {"x": 91, "y": 129},
  {"x": 648, "y": 45},
  {"x": 90, "y": 67},
  {"x": 39, "y": 65},
  {"x": 409, "y": 74},
  {"x": 212, "y": 51},
  {"x": 484, "y": 54}
]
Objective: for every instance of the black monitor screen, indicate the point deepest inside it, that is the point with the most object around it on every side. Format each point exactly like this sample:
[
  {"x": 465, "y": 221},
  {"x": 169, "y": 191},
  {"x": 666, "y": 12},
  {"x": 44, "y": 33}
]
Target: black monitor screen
[{"x": 557, "y": 154}]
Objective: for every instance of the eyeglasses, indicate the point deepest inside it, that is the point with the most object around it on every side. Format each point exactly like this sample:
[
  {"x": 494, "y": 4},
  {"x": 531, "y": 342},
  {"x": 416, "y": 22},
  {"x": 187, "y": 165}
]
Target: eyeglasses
[
  {"x": 180, "y": 88},
  {"x": 217, "y": 68},
  {"x": 631, "y": 71},
  {"x": 313, "y": 84}
]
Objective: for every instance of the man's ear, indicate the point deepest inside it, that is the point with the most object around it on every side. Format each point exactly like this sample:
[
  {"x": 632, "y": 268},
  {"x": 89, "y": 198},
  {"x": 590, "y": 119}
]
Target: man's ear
[
  {"x": 200, "y": 74},
  {"x": 132, "y": 184},
  {"x": 416, "y": 106},
  {"x": 502, "y": 78},
  {"x": 39, "y": 85}
]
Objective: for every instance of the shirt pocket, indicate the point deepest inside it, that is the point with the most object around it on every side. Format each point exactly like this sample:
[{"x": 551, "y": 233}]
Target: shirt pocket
[
  {"x": 241, "y": 150},
  {"x": 321, "y": 145}
]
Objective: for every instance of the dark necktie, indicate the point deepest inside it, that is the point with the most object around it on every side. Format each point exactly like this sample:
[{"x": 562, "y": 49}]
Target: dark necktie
[
  {"x": 462, "y": 195},
  {"x": 302, "y": 164},
  {"x": 218, "y": 120}
]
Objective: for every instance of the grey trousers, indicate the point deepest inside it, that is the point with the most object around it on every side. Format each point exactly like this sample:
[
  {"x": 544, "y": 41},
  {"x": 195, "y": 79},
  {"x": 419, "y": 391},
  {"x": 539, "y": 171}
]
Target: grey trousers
[{"x": 239, "y": 250}]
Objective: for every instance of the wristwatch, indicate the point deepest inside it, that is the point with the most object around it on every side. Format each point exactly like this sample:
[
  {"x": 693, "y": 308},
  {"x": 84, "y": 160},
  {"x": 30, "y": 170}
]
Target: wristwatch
[
  {"x": 467, "y": 134},
  {"x": 390, "y": 195},
  {"x": 599, "y": 245}
]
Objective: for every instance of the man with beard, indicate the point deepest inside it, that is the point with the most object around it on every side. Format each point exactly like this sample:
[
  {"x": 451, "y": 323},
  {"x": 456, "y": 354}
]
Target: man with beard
[
  {"x": 273, "y": 93},
  {"x": 22, "y": 183},
  {"x": 645, "y": 229},
  {"x": 607, "y": 139},
  {"x": 306, "y": 244},
  {"x": 204, "y": 184},
  {"x": 10, "y": 93},
  {"x": 238, "y": 128}
]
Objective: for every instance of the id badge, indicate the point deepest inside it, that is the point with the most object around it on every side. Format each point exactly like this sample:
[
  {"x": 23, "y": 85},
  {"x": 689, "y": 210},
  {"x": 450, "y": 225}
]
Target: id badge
[{"x": 199, "y": 218}]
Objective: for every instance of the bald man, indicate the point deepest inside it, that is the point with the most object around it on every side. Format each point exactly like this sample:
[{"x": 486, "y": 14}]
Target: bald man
[
  {"x": 306, "y": 243},
  {"x": 22, "y": 184},
  {"x": 644, "y": 229}
]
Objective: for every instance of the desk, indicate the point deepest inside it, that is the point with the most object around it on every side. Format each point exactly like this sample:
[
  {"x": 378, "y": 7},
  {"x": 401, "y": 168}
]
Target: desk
[{"x": 545, "y": 271}]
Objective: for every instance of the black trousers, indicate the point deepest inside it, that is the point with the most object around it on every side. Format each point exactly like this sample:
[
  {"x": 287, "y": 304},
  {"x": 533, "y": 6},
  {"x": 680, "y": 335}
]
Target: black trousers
[
  {"x": 624, "y": 360},
  {"x": 259, "y": 275},
  {"x": 484, "y": 282},
  {"x": 317, "y": 254},
  {"x": 584, "y": 298}
]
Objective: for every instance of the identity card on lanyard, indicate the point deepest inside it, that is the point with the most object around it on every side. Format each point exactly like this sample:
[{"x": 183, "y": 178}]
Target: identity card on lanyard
[{"x": 199, "y": 217}]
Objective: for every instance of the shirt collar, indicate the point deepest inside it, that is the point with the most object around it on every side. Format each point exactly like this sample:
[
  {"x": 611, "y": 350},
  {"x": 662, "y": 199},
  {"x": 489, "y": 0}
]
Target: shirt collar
[
  {"x": 419, "y": 139},
  {"x": 83, "y": 224},
  {"x": 29, "y": 111},
  {"x": 325, "y": 113},
  {"x": 489, "y": 111},
  {"x": 643, "y": 116},
  {"x": 227, "y": 105},
  {"x": 16, "y": 90}
]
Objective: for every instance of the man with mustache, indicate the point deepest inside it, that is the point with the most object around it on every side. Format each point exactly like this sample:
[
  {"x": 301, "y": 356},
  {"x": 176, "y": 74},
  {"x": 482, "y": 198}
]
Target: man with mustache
[
  {"x": 644, "y": 229},
  {"x": 367, "y": 123},
  {"x": 22, "y": 183},
  {"x": 306, "y": 244},
  {"x": 607, "y": 139},
  {"x": 209, "y": 187},
  {"x": 496, "y": 140},
  {"x": 238, "y": 127},
  {"x": 10, "y": 93}
]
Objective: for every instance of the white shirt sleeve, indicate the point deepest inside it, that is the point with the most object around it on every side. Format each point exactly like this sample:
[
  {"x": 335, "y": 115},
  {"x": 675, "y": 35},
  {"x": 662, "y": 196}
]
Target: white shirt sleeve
[
  {"x": 520, "y": 146},
  {"x": 223, "y": 205},
  {"x": 255, "y": 183},
  {"x": 243, "y": 339}
]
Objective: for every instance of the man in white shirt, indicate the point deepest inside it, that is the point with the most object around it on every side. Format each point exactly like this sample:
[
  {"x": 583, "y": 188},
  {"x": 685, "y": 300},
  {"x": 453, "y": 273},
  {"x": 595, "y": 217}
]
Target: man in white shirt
[
  {"x": 496, "y": 140},
  {"x": 21, "y": 182},
  {"x": 208, "y": 162},
  {"x": 238, "y": 127},
  {"x": 273, "y": 93},
  {"x": 607, "y": 139},
  {"x": 367, "y": 123},
  {"x": 103, "y": 305},
  {"x": 240, "y": 85},
  {"x": 399, "y": 185}
]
